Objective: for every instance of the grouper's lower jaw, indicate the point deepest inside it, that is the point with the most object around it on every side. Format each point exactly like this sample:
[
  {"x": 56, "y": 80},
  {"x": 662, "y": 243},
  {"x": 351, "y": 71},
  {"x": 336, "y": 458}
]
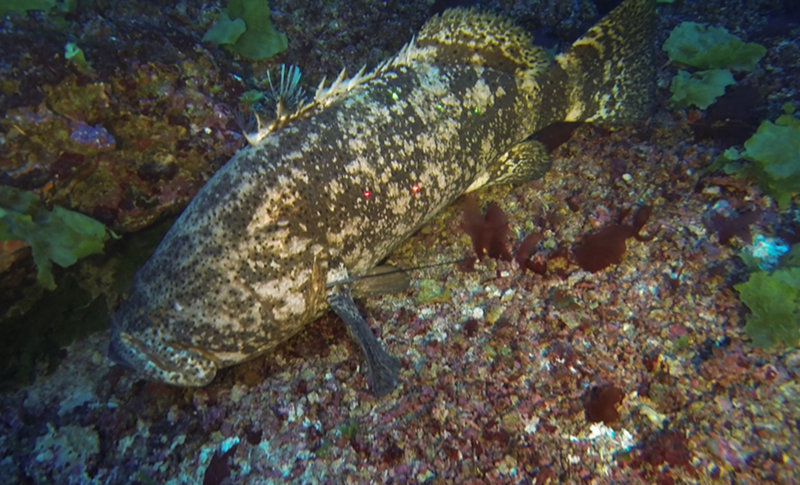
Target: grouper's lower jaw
[{"x": 172, "y": 364}]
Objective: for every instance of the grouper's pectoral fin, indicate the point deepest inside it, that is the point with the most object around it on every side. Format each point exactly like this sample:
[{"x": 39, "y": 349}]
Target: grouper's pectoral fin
[
  {"x": 527, "y": 160},
  {"x": 382, "y": 368}
]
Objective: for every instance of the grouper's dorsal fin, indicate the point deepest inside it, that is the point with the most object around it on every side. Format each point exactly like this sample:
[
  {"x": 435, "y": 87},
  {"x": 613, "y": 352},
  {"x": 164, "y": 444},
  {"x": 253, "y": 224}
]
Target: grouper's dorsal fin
[
  {"x": 327, "y": 93},
  {"x": 471, "y": 36},
  {"x": 457, "y": 36},
  {"x": 610, "y": 71}
]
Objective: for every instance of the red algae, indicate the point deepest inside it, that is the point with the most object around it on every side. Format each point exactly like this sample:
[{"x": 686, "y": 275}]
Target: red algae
[
  {"x": 606, "y": 247},
  {"x": 526, "y": 248},
  {"x": 489, "y": 232},
  {"x": 219, "y": 469},
  {"x": 668, "y": 446},
  {"x": 601, "y": 404},
  {"x": 739, "y": 226}
]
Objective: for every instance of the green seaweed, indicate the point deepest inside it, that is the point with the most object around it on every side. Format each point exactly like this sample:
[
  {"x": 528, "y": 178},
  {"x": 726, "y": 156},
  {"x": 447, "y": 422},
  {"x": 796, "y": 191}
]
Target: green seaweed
[
  {"x": 716, "y": 52},
  {"x": 246, "y": 28},
  {"x": 225, "y": 31},
  {"x": 792, "y": 258},
  {"x": 706, "y": 47},
  {"x": 23, "y": 6},
  {"x": 700, "y": 89},
  {"x": 75, "y": 54},
  {"x": 773, "y": 153},
  {"x": 59, "y": 236},
  {"x": 350, "y": 429},
  {"x": 774, "y": 302}
]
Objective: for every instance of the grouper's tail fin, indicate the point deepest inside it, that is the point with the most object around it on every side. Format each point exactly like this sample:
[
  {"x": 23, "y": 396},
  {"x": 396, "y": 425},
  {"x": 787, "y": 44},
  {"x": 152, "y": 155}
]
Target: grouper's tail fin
[{"x": 610, "y": 70}]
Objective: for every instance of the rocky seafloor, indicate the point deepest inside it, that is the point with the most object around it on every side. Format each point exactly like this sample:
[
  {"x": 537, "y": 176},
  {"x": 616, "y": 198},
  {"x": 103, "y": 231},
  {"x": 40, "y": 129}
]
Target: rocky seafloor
[{"x": 638, "y": 373}]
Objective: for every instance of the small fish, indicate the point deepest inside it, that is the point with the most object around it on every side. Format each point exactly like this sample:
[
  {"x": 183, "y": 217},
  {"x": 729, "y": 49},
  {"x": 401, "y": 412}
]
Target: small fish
[{"x": 327, "y": 191}]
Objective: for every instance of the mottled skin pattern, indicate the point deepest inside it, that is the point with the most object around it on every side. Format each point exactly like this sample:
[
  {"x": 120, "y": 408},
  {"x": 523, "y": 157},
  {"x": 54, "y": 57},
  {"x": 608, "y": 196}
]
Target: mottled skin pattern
[{"x": 253, "y": 258}]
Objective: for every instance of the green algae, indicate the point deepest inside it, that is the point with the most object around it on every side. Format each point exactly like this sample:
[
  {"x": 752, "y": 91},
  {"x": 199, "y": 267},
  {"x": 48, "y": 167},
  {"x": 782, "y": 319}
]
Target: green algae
[
  {"x": 774, "y": 302},
  {"x": 56, "y": 236},
  {"x": 246, "y": 28}
]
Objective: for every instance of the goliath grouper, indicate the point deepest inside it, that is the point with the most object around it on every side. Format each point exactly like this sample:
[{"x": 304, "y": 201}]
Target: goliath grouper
[{"x": 325, "y": 193}]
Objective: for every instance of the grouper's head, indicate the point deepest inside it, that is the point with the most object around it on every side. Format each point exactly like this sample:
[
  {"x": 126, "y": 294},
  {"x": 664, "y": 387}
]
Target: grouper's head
[{"x": 151, "y": 351}]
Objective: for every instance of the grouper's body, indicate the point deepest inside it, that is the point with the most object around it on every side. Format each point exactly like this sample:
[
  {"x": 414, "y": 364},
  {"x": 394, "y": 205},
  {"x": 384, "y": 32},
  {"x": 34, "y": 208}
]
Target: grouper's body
[{"x": 269, "y": 243}]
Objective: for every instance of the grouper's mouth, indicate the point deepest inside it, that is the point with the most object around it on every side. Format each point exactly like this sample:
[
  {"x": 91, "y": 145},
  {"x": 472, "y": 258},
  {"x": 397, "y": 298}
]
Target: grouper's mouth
[
  {"x": 173, "y": 364},
  {"x": 117, "y": 355},
  {"x": 122, "y": 348}
]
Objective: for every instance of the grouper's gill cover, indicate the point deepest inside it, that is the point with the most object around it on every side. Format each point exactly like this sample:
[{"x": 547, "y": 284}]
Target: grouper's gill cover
[{"x": 327, "y": 192}]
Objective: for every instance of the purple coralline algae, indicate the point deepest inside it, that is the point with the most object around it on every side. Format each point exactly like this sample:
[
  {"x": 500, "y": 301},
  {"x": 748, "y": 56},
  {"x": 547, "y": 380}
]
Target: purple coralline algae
[{"x": 95, "y": 136}]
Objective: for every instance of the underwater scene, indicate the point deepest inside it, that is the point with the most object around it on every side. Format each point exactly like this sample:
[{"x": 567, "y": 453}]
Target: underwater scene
[{"x": 424, "y": 241}]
